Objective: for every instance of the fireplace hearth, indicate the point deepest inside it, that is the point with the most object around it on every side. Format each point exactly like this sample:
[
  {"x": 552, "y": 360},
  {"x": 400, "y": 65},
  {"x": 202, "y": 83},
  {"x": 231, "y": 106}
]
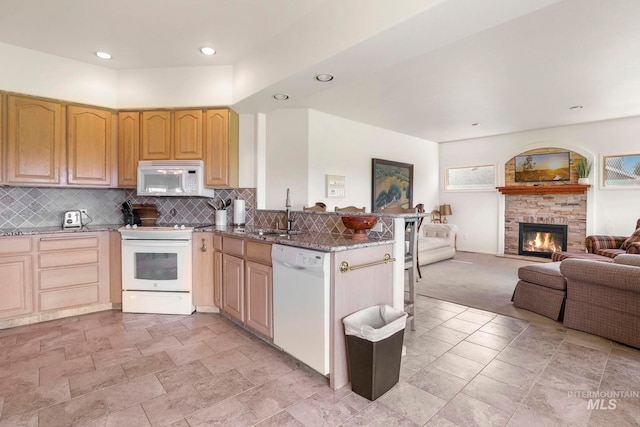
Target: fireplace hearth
[{"x": 541, "y": 240}]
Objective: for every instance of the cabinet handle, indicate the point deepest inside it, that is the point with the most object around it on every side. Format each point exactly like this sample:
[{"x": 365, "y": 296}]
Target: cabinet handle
[{"x": 203, "y": 248}]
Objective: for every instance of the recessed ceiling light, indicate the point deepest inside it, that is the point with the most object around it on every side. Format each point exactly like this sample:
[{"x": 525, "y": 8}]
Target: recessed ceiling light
[
  {"x": 281, "y": 96},
  {"x": 324, "y": 77},
  {"x": 576, "y": 107},
  {"x": 103, "y": 55},
  {"x": 207, "y": 50},
  {"x": 475, "y": 124}
]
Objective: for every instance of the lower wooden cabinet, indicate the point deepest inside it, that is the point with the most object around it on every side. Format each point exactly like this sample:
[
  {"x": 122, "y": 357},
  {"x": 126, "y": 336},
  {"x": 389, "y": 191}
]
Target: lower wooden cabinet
[
  {"x": 202, "y": 269},
  {"x": 72, "y": 270},
  {"x": 16, "y": 286},
  {"x": 52, "y": 272},
  {"x": 246, "y": 283},
  {"x": 233, "y": 286},
  {"x": 259, "y": 297}
]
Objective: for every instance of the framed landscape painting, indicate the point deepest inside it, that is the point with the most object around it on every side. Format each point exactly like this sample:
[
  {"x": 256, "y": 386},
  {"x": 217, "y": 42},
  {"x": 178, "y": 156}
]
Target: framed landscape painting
[{"x": 392, "y": 184}]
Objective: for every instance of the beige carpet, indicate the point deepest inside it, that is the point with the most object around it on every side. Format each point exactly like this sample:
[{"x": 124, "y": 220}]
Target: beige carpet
[{"x": 476, "y": 280}]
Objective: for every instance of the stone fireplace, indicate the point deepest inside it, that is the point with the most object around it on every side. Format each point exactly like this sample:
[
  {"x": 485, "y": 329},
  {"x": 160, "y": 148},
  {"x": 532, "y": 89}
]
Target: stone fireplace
[
  {"x": 562, "y": 204},
  {"x": 569, "y": 210}
]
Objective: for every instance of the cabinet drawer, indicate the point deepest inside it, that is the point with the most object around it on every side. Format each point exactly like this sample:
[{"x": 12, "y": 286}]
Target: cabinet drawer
[
  {"x": 70, "y": 276},
  {"x": 61, "y": 243},
  {"x": 63, "y": 259},
  {"x": 233, "y": 246},
  {"x": 63, "y": 298},
  {"x": 260, "y": 252},
  {"x": 15, "y": 245}
]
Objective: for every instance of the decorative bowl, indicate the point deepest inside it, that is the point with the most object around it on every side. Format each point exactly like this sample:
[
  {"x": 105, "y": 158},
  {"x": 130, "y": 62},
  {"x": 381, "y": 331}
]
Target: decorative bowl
[{"x": 359, "y": 224}]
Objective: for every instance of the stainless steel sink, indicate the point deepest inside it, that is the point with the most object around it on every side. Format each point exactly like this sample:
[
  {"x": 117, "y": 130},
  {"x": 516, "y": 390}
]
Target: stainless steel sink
[{"x": 271, "y": 232}]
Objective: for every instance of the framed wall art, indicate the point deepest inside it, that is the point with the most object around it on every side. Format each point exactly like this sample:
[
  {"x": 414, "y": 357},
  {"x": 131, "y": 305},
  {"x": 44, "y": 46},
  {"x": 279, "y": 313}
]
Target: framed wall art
[{"x": 392, "y": 184}]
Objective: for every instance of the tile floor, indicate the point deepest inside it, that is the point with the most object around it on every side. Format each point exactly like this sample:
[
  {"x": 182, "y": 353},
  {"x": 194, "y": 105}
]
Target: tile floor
[{"x": 463, "y": 367}]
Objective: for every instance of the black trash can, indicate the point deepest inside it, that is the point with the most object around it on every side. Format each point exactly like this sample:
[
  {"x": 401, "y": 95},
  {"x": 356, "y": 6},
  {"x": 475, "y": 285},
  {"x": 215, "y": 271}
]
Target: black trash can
[{"x": 374, "y": 349}]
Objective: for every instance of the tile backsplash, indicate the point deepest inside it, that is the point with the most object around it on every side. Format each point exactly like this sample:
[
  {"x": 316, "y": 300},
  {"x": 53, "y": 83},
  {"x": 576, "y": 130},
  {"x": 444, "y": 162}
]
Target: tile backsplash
[{"x": 26, "y": 207}]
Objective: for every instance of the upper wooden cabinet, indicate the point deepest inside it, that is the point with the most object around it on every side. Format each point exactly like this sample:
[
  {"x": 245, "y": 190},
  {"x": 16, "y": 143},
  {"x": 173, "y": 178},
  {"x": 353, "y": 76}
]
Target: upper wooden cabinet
[
  {"x": 90, "y": 146},
  {"x": 155, "y": 135},
  {"x": 35, "y": 141},
  {"x": 221, "y": 148},
  {"x": 2, "y": 142},
  {"x": 128, "y": 148},
  {"x": 187, "y": 135}
]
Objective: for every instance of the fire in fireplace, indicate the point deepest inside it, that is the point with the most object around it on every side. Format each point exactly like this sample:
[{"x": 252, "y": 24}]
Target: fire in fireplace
[{"x": 541, "y": 240}]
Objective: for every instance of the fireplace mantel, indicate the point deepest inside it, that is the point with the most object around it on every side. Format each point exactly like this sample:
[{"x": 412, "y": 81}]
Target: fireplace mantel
[{"x": 544, "y": 189}]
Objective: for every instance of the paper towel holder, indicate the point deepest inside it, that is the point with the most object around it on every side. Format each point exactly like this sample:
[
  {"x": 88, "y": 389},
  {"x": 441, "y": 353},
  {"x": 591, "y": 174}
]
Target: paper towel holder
[{"x": 238, "y": 212}]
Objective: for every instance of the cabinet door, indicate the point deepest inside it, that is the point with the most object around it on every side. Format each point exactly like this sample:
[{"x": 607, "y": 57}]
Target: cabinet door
[
  {"x": 202, "y": 269},
  {"x": 155, "y": 139},
  {"x": 16, "y": 286},
  {"x": 259, "y": 298},
  {"x": 187, "y": 135},
  {"x": 35, "y": 145},
  {"x": 2, "y": 141},
  {"x": 128, "y": 148},
  {"x": 221, "y": 148},
  {"x": 89, "y": 145},
  {"x": 217, "y": 279},
  {"x": 233, "y": 286}
]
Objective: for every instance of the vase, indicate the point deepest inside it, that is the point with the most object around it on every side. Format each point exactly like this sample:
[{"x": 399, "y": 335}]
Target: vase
[{"x": 583, "y": 181}]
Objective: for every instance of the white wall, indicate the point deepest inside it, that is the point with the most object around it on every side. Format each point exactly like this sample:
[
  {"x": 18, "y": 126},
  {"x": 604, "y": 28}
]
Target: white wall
[
  {"x": 303, "y": 146},
  {"x": 286, "y": 158},
  {"x": 34, "y": 73},
  {"x": 477, "y": 214},
  {"x": 175, "y": 87}
]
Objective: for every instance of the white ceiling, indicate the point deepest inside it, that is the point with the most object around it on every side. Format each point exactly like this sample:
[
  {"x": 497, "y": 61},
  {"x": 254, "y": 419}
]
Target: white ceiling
[{"x": 428, "y": 68}]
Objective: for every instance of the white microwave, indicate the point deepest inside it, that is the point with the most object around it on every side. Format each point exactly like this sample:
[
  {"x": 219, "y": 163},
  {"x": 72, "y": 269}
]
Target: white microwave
[{"x": 172, "y": 178}]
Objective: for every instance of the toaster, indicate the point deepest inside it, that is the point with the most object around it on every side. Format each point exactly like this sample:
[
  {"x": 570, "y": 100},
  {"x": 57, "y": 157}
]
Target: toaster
[{"x": 72, "y": 219}]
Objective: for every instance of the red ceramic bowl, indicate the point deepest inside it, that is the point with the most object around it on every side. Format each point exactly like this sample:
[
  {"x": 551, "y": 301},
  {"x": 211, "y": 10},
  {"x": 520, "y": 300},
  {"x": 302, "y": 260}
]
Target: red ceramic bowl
[{"x": 359, "y": 224}]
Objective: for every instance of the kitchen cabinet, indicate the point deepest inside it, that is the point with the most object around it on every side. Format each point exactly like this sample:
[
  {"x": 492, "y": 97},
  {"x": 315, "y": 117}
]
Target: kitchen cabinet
[
  {"x": 259, "y": 288},
  {"x": 35, "y": 141},
  {"x": 221, "y": 148},
  {"x": 247, "y": 283},
  {"x": 72, "y": 270},
  {"x": 155, "y": 135},
  {"x": 203, "y": 267},
  {"x": 16, "y": 286},
  {"x": 187, "y": 135},
  {"x": 90, "y": 146},
  {"x": 2, "y": 138},
  {"x": 217, "y": 270},
  {"x": 233, "y": 286},
  {"x": 115, "y": 267},
  {"x": 128, "y": 148}
]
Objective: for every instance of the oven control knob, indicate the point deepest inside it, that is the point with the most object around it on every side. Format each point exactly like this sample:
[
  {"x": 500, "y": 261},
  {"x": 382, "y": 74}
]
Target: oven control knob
[
  {"x": 127, "y": 226},
  {"x": 175, "y": 227},
  {"x": 182, "y": 227},
  {"x": 134, "y": 226}
]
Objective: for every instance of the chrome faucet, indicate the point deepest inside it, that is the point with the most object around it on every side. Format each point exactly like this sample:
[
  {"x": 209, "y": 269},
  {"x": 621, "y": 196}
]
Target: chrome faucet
[{"x": 287, "y": 206}]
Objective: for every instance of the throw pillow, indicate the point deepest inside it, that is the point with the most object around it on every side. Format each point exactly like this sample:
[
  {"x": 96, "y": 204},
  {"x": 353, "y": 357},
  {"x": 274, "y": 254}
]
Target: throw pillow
[{"x": 635, "y": 237}]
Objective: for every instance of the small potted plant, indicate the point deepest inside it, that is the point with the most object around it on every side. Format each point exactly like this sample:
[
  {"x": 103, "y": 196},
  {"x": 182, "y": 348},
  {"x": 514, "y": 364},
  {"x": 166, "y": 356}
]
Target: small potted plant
[{"x": 583, "y": 168}]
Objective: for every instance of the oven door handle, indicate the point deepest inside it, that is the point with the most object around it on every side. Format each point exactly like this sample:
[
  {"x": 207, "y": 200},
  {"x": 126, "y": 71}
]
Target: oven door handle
[{"x": 155, "y": 244}]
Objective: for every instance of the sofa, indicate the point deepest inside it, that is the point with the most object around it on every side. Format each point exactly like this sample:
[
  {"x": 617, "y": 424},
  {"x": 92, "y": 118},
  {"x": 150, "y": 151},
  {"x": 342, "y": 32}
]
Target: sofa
[
  {"x": 436, "y": 242},
  {"x": 605, "y": 248},
  {"x": 604, "y": 298}
]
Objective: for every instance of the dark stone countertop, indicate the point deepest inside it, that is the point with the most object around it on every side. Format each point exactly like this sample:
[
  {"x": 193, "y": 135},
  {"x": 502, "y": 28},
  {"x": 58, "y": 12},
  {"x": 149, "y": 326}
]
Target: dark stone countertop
[{"x": 325, "y": 242}]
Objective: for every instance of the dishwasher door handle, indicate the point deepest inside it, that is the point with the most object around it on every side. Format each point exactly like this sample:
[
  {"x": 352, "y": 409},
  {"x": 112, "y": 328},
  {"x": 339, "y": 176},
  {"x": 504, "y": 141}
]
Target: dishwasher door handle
[{"x": 296, "y": 267}]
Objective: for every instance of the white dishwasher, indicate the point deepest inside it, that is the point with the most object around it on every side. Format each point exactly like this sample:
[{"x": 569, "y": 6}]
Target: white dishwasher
[{"x": 301, "y": 286}]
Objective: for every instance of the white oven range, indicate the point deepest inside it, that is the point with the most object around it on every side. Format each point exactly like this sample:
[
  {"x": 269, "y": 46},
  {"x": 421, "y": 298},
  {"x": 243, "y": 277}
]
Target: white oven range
[{"x": 156, "y": 270}]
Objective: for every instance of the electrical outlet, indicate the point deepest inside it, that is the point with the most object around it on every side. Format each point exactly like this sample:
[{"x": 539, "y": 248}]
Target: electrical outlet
[{"x": 83, "y": 212}]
